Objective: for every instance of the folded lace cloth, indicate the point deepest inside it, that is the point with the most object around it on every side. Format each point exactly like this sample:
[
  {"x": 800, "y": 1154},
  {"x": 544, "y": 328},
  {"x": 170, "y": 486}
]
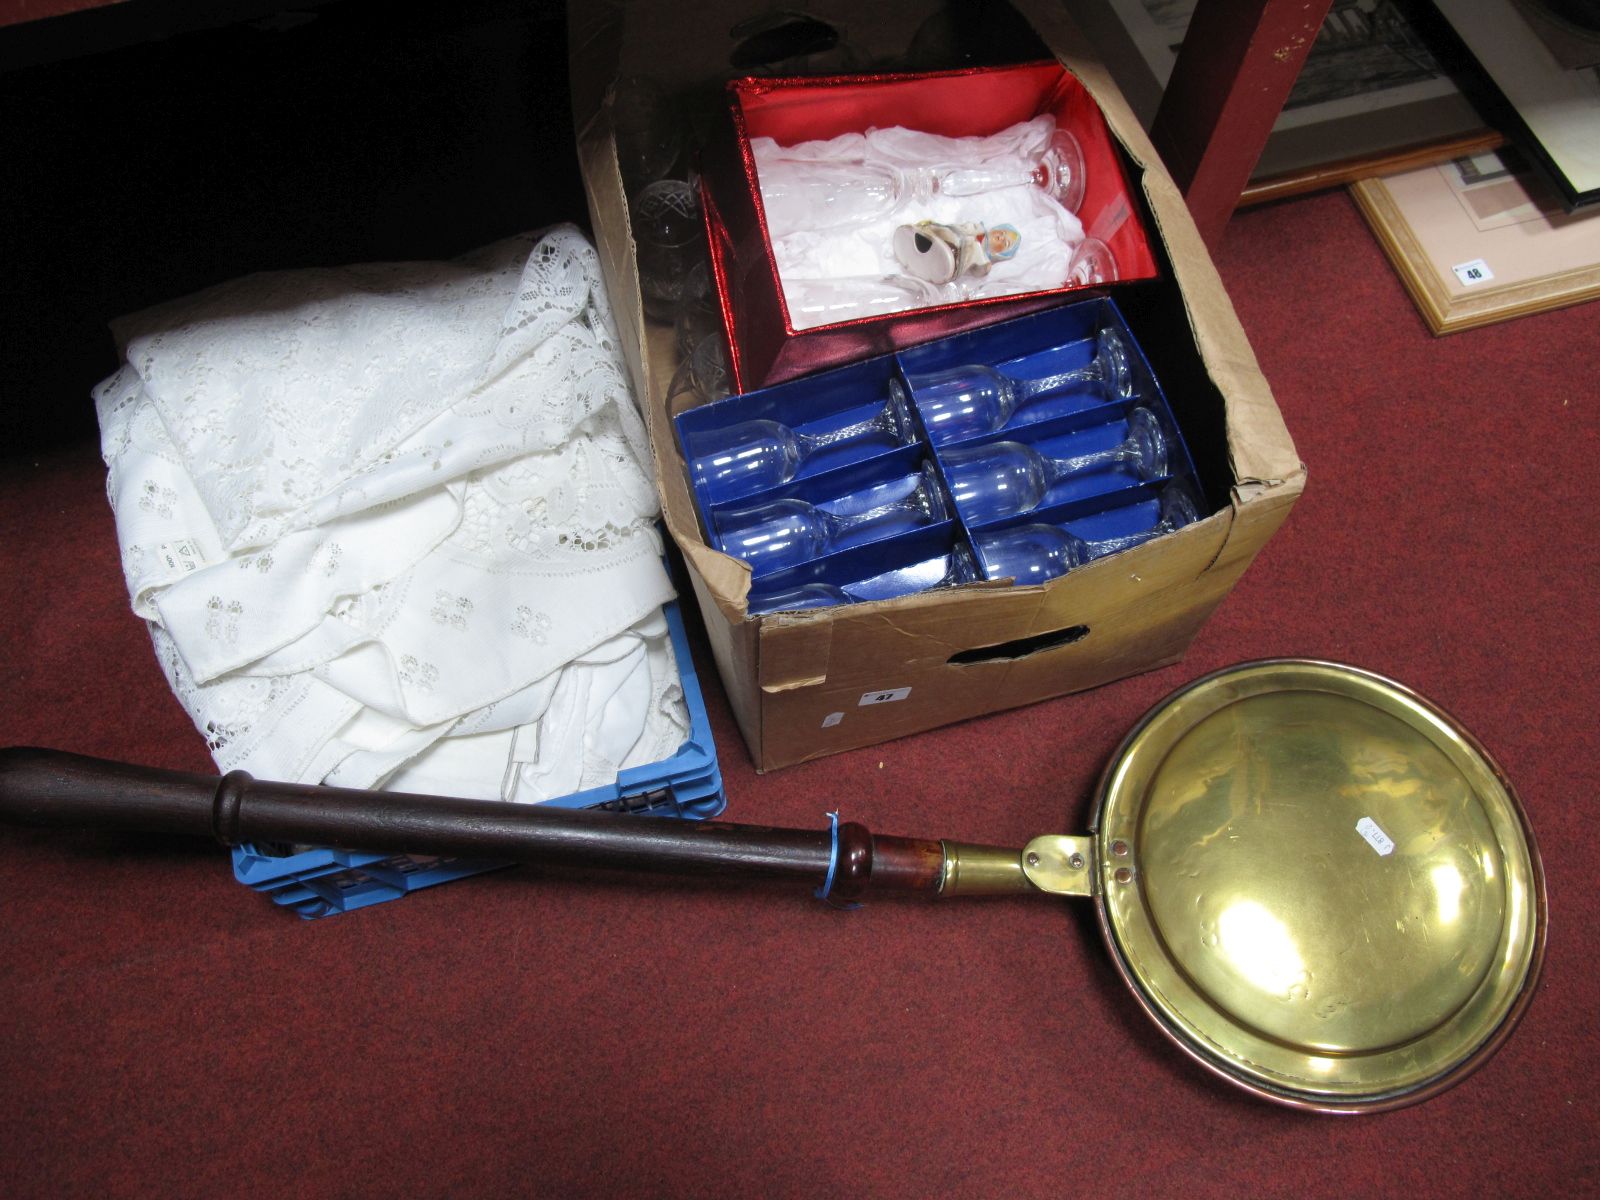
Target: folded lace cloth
[
  {"x": 814, "y": 253},
  {"x": 392, "y": 525}
]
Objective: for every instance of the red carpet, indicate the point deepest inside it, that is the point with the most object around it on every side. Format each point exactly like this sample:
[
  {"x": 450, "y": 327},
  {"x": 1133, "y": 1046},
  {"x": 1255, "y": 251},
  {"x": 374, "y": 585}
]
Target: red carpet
[{"x": 167, "y": 1032}]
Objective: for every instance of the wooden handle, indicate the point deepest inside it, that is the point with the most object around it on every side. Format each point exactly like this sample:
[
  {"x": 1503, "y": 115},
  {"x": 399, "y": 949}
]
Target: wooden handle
[{"x": 48, "y": 787}]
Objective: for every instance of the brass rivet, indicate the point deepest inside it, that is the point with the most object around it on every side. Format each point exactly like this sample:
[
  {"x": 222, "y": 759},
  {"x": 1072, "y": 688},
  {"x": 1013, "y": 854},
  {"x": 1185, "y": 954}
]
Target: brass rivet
[
  {"x": 1033, "y": 860},
  {"x": 1122, "y": 875},
  {"x": 1119, "y": 848},
  {"x": 1076, "y": 862}
]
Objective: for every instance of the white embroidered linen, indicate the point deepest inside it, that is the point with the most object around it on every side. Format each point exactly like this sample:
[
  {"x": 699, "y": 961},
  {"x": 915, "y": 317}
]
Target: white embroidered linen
[
  {"x": 824, "y": 264},
  {"x": 393, "y": 525}
]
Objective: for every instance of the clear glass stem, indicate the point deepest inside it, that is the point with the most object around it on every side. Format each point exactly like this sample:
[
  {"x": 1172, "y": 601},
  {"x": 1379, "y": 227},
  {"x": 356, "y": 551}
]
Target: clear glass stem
[
  {"x": 1029, "y": 389},
  {"x": 836, "y": 524},
  {"x": 878, "y": 423},
  {"x": 1104, "y": 546},
  {"x": 1059, "y": 468},
  {"x": 964, "y": 181}
]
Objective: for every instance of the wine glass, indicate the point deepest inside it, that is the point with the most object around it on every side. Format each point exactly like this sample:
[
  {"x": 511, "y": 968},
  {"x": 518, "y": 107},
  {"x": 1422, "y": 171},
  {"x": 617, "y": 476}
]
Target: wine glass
[
  {"x": 784, "y": 533},
  {"x": 810, "y": 194},
  {"x": 1036, "y": 553},
  {"x": 965, "y": 401},
  {"x": 748, "y": 457},
  {"x": 1006, "y": 479}
]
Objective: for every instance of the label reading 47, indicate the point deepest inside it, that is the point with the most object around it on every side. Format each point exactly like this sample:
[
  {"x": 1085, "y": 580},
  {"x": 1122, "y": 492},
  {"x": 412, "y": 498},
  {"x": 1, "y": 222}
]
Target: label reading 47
[{"x": 883, "y": 697}]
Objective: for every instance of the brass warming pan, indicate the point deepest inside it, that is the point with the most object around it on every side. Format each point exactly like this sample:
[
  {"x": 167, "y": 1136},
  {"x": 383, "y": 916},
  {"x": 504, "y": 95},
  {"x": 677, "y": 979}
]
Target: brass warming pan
[{"x": 1316, "y": 883}]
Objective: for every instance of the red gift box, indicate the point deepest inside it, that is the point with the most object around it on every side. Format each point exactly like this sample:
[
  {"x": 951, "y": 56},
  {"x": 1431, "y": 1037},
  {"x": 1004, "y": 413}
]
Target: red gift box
[{"x": 764, "y": 345}]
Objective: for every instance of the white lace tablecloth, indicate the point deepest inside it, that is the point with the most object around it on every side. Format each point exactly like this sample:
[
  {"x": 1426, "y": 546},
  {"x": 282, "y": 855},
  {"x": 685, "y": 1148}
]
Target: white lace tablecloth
[{"x": 393, "y": 525}]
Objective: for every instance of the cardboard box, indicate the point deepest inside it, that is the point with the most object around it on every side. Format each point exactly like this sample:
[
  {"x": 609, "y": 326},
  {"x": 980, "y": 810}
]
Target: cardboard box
[
  {"x": 765, "y": 345},
  {"x": 804, "y": 685}
]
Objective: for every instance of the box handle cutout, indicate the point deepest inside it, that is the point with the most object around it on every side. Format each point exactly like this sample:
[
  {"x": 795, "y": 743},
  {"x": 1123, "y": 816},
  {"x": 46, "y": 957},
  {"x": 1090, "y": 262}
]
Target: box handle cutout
[{"x": 1023, "y": 647}]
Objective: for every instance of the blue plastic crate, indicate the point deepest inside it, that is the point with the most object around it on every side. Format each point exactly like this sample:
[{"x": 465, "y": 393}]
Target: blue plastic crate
[{"x": 320, "y": 883}]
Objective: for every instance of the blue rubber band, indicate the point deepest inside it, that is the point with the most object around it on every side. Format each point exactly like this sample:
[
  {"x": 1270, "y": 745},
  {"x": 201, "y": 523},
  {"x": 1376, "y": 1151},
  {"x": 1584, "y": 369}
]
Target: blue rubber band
[
  {"x": 833, "y": 866},
  {"x": 833, "y": 857}
]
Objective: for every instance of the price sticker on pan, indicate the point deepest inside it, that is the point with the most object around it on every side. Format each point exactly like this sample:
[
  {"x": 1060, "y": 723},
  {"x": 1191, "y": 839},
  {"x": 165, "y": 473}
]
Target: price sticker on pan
[
  {"x": 1476, "y": 271},
  {"x": 1375, "y": 837}
]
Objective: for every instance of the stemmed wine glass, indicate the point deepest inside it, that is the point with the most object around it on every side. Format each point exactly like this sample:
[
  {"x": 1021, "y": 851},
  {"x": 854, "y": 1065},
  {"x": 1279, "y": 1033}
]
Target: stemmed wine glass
[
  {"x": 965, "y": 401},
  {"x": 1036, "y": 553},
  {"x": 784, "y": 533},
  {"x": 808, "y": 194},
  {"x": 750, "y": 456},
  {"x": 960, "y": 566},
  {"x": 1005, "y": 479}
]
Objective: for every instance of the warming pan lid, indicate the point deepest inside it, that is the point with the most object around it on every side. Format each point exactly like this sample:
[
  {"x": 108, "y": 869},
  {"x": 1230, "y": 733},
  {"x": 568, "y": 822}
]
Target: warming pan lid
[{"x": 1319, "y": 884}]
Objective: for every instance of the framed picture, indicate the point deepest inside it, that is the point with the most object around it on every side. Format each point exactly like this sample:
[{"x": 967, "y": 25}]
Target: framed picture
[
  {"x": 1370, "y": 92},
  {"x": 1477, "y": 240},
  {"x": 1541, "y": 59}
]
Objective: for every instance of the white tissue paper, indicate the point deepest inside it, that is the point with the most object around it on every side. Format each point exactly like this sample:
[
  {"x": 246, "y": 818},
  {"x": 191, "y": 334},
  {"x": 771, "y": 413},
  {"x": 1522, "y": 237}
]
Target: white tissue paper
[
  {"x": 393, "y": 525},
  {"x": 827, "y": 259}
]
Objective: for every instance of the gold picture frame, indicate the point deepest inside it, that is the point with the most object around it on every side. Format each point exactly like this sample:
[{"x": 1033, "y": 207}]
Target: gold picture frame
[{"x": 1476, "y": 242}]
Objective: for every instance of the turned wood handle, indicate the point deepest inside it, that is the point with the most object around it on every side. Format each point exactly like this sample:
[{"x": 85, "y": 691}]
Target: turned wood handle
[{"x": 48, "y": 787}]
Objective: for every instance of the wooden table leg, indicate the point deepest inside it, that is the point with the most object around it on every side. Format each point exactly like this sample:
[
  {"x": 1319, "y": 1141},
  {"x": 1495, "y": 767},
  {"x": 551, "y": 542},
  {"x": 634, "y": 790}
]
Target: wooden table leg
[{"x": 1238, "y": 61}]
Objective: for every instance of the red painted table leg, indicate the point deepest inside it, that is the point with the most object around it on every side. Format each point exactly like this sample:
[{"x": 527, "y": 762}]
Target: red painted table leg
[{"x": 1239, "y": 60}]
